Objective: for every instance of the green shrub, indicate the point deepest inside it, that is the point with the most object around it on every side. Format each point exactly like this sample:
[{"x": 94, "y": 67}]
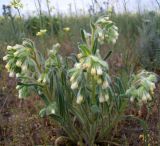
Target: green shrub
[
  {"x": 149, "y": 43},
  {"x": 33, "y": 24}
]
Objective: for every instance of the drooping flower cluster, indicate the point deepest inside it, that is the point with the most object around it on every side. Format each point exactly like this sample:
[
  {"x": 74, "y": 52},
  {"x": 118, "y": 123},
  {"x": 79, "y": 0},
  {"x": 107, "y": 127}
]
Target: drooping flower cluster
[
  {"x": 16, "y": 4},
  {"x": 90, "y": 67},
  {"x": 142, "y": 87},
  {"x": 94, "y": 71},
  {"x": 16, "y": 58},
  {"x": 20, "y": 61},
  {"x": 52, "y": 60},
  {"x": 106, "y": 30},
  {"x": 24, "y": 62}
]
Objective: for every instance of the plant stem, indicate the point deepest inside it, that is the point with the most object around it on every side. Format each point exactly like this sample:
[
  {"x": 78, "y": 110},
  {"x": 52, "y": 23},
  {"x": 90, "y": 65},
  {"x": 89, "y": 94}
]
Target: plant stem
[
  {"x": 40, "y": 13},
  {"x": 92, "y": 38},
  {"x": 49, "y": 13}
]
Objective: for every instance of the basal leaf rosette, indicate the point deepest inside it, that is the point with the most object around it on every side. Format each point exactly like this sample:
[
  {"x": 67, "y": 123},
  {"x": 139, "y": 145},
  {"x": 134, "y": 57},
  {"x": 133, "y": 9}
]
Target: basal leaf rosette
[{"x": 142, "y": 87}]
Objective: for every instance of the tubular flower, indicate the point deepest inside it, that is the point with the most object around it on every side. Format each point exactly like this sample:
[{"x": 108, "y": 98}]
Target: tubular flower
[
  {"x": 74, "y": 85},
  {"x": 103, "y": 98},
  {"x": 93, "y": 71},
  {"x": 79, "y": 99},
  {"x": 11, "y": 74},
  {"x": 5, "y": 58},
  {"x": 99, "y": 71},
  {"x": 42, "y": 32},
  {"x": 105, "y": 84},
  {"x": 19, "y": 63}
]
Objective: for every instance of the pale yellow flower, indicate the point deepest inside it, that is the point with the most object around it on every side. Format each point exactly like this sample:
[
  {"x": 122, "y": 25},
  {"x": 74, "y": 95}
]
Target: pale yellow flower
[
  {"x": 79, "y": 99},
  {"x": 74, "y": 86},
  {"x": 93, "y": 71},
  {"x": 66, "y": 29},
  {"x": 42, "y": 32},
  {"x": 19, "y": 63},
  {"x": 99, "y": 71},
  {"x": 105, "y": 85}
]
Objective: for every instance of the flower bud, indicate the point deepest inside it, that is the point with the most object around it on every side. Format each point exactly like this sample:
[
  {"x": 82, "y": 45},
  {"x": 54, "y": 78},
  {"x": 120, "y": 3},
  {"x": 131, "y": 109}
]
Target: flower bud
[
  {"x": 79, "y": 55},
  {"x": 79, "y": 99},
  {"x": 7, "y": 66},
  {"x": 19, "y": 63},
  {"x": 74, "y": 85},
  {"x": 132, "y": 99},
  {"x": 39, "y": 79},
  {"x": 78, "y": 65},
  {"x": 20, "y": 92},
  {"x": 100, "y": 34},
  {"x": 5, "y": 58},
  {"x": 144, "y": 98},
  {"x": 24, "y": 67},
  {"x": 106, "y": 97},
  {"x": 72, "y": 78},
  {"x": 105, "y": 85},
  {"x": 81, "y": 60},
  {"x": 103, "y": 21},
  {"x": 42, "y": 32},
  {"x": 44, "y": 80},
  {"x": 152, "y": 87},
  {"x": 11, "y": 74},
  {"x": 101, "y": 99},
  {"x": 93, "y": 71},
  {"x": 116, "y": 34},
  {"x": 113, "y": 41},
  {"x": 18, "y": 75},
  {"x": 39, "y": 92},
  {"x": 17, "y": 87},
  {"x": 16, "y": 53},
  {"x": 51, "y": 51},
  {"x": 9, "y": 47},
  {"x": 99, "y": 71},
  {"x": 53, "y": 111},
  {"x": 149, "y": 98},
  {"x": 88, "y": 65},
  {"x": 57, "y": 45},
  {"x": 115, "y": 27}
]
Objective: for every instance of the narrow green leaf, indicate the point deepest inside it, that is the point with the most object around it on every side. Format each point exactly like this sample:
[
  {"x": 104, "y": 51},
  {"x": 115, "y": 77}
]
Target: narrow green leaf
[
  {"x": 83, "y": 36},
  {"x": 107, "y": 56},
  {"x": 103, "y": 63},
  {"x": 84, "y": 49},
  {"x": 92, "y": 25},
  {"x": 95, "y": 46}
]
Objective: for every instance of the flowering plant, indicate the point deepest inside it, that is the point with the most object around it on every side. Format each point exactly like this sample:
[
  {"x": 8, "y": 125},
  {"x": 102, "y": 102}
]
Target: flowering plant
[
  {"x": 16, "y": 4},
  {"x": 82, "y": 98}
]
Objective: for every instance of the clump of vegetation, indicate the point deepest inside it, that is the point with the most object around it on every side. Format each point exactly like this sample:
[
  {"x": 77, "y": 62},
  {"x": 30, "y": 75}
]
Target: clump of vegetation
[
  {"x": 149, "y": 46},
  {"x": 78, "y": 91}
]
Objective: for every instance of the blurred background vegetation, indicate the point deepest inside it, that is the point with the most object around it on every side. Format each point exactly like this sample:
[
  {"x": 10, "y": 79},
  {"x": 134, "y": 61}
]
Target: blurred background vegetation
[{"x": 139, "y": 33}]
